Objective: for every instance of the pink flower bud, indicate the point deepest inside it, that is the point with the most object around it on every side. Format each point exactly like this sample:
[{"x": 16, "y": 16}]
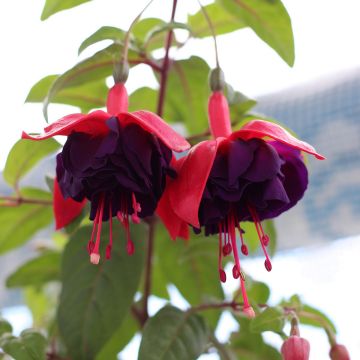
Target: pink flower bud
[
  {"x": 339, "y": 352},
  {"x": 295, "y": 348}
]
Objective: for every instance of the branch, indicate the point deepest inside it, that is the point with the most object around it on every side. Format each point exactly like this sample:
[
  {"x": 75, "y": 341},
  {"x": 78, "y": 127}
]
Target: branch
[
  {"x": 10, "y": 201},
  {"x": 147, "y": 61},
  {"x": 165, "y": 66},
  {"x": 148, "y": 270}
]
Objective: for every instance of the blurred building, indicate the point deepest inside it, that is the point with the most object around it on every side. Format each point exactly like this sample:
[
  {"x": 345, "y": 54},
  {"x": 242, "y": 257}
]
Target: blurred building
[{"x": 326, "y": 114}]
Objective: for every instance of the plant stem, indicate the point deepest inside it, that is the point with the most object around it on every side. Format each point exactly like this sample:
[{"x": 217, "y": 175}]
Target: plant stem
[
  {"x": 148, "y": 270},
  {"x": 165, "y": 66},
  {"x": 18, "y": 200}
]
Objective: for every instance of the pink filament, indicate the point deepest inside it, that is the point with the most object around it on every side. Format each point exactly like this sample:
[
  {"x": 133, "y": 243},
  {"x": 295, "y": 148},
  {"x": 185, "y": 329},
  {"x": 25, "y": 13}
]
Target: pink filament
[
  {"x": 95, "y": 256},
  {"x": 109, "y": 246},
  {"x": 260, "y": 233},
  {"x": 222, "y": 273},
  {"x": 231, "y": 230}
]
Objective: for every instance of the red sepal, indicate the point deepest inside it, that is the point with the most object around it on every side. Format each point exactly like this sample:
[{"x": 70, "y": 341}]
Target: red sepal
[
  {"x": 219, "y": 115},
  {"x": 92, "y": 124},
  {"x": 260, "y": 128},
  {"x": 187, "y": 189},
  {"x": 117, "y": 100},
  {"x": 65, "y": 211},
  {"x": 157, "y": 126}
]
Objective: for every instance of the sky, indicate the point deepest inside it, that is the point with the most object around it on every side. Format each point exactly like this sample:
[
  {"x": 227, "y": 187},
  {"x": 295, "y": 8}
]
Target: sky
[{"x": 326, "y": 38}]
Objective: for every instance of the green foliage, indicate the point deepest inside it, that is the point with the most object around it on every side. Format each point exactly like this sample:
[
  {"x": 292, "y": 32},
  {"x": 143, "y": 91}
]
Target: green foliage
[
  {"x": 269, "y": 20},
  {"x": 36, "y": 272},
  {"x": 5, "y": 327},
  {"x": 188, "y": 90},
  {"x": 173, "y": 334},
  {"x": 53, "y": 6},
  {"x": 95, "y": 300},
  {"x": 18, "y": 224},
  {"x": 86, "y": 96},
  {"x": 271, "y": 319},
  {"x": 192, "y": 267},
  {"x": 119, "y": 339},
  {"x": 30, "y": 345},
  {"x": 104, "y": 33},
  {"x": 222, "y": 21},
  {"x": 247, "y": 345},
  {"x": 24, "y": 155},
  {"x": 95, "y": 68},
  {"x": 92, "y": 312}
]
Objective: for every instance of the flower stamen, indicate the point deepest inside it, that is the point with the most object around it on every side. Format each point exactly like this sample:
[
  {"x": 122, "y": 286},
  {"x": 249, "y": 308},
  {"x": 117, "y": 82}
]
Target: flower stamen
[
  {"x": 95, "y": 255},
  {"x": 222, "y": 273},
  {"x": 261, "y": 236},
  {"x": 109, "y": 245}
]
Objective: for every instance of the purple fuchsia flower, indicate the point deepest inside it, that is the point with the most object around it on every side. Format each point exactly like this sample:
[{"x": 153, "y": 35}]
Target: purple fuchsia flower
[
  {"x": 252, "y": 174},
  {"x": 117, "y": 160}
]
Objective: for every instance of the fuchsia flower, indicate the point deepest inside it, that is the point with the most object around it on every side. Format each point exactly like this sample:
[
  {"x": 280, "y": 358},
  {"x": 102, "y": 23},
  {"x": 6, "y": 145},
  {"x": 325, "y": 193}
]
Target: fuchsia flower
[
  {"x": 117, "y": 160},
  {"x": 295, "y": 348},
  {"x": 339, "y": 352},
  {"x": 252, "y": 174}
]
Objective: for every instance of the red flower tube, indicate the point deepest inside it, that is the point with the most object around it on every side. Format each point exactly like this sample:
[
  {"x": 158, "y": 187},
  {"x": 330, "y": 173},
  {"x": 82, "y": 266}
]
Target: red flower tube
[
  {"x": 252, "y": 174},
  {"x": 117, "y": 160}
]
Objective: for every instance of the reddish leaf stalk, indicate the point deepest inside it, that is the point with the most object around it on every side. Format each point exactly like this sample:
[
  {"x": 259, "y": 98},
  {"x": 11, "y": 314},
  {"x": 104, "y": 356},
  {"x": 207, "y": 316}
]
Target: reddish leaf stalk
[
  {"x": 165, "y": 66},
  {"x": 143, "y": 315}
]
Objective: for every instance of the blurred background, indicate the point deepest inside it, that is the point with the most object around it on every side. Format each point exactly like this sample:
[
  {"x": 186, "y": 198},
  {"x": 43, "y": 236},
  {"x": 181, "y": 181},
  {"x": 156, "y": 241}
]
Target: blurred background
[{"x": 319, "y": 98}]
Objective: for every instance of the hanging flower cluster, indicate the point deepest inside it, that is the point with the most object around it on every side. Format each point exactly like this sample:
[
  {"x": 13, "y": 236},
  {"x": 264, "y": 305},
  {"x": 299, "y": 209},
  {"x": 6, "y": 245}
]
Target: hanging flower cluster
[
  {"x": 252, "y": 174},
  {"x": 117, "y": 160},
  {"x": 123, "y": 164}
]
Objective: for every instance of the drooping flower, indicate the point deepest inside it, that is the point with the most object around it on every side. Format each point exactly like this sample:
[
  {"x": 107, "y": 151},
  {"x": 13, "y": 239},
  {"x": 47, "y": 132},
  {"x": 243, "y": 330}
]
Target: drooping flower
[
  {"x": 339, "y": 352},
  {"x": 252, "y": 174},
  {"x": 295, "y": 347},
  {"x": 117, "y": 160}
]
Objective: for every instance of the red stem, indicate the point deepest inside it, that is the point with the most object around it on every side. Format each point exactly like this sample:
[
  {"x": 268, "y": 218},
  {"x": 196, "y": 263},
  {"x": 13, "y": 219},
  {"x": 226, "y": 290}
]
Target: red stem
[{"x": 165, "y": 66}]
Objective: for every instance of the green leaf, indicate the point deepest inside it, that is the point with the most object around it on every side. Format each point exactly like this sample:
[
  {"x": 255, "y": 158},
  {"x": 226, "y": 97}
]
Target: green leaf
[
  {"x": 87, "y": 96},
  {"x": 119, "y": 340},
  {"x": 269, "y": 20},
  {"x": 251, "y": 237},
  {"x": 24, "y": 155},
  {"x": 192, "y": 267},
  {"x": 5, "y": 327},
  {"x": 104, "y": 33},
  {"x": 271, "y": 319},
  {"x": 19, "y": 223},
  {"x": 187, "y": 94},
  {"x": 247, "y": 345},
  {"x": 173, "y": 334},
  {"x": 158, "y": 31},
  {"x": 95, "y": 68},
  {"x": 257, "y": 291},
  {"x": 238, "y": 102},
  {"x": 37, "y": 271},
  {"x": 53, "y": 6},
  {"x": 143, "y": 98},
  {"x": 223, "y": 21},
  {"x": 30, "y": 345},
  {"x": 143, "y": 28},
  {"x": 95, "y": 300},
  {"x": 314, "y": 317},
  {"x": 42, "y": 302}
]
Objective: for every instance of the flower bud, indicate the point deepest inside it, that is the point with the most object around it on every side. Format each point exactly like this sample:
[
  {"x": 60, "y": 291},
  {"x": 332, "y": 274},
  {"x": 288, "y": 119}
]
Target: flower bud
[
  {"x": 339, "y": 352},
  {"x": 295, "y": 348}
]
